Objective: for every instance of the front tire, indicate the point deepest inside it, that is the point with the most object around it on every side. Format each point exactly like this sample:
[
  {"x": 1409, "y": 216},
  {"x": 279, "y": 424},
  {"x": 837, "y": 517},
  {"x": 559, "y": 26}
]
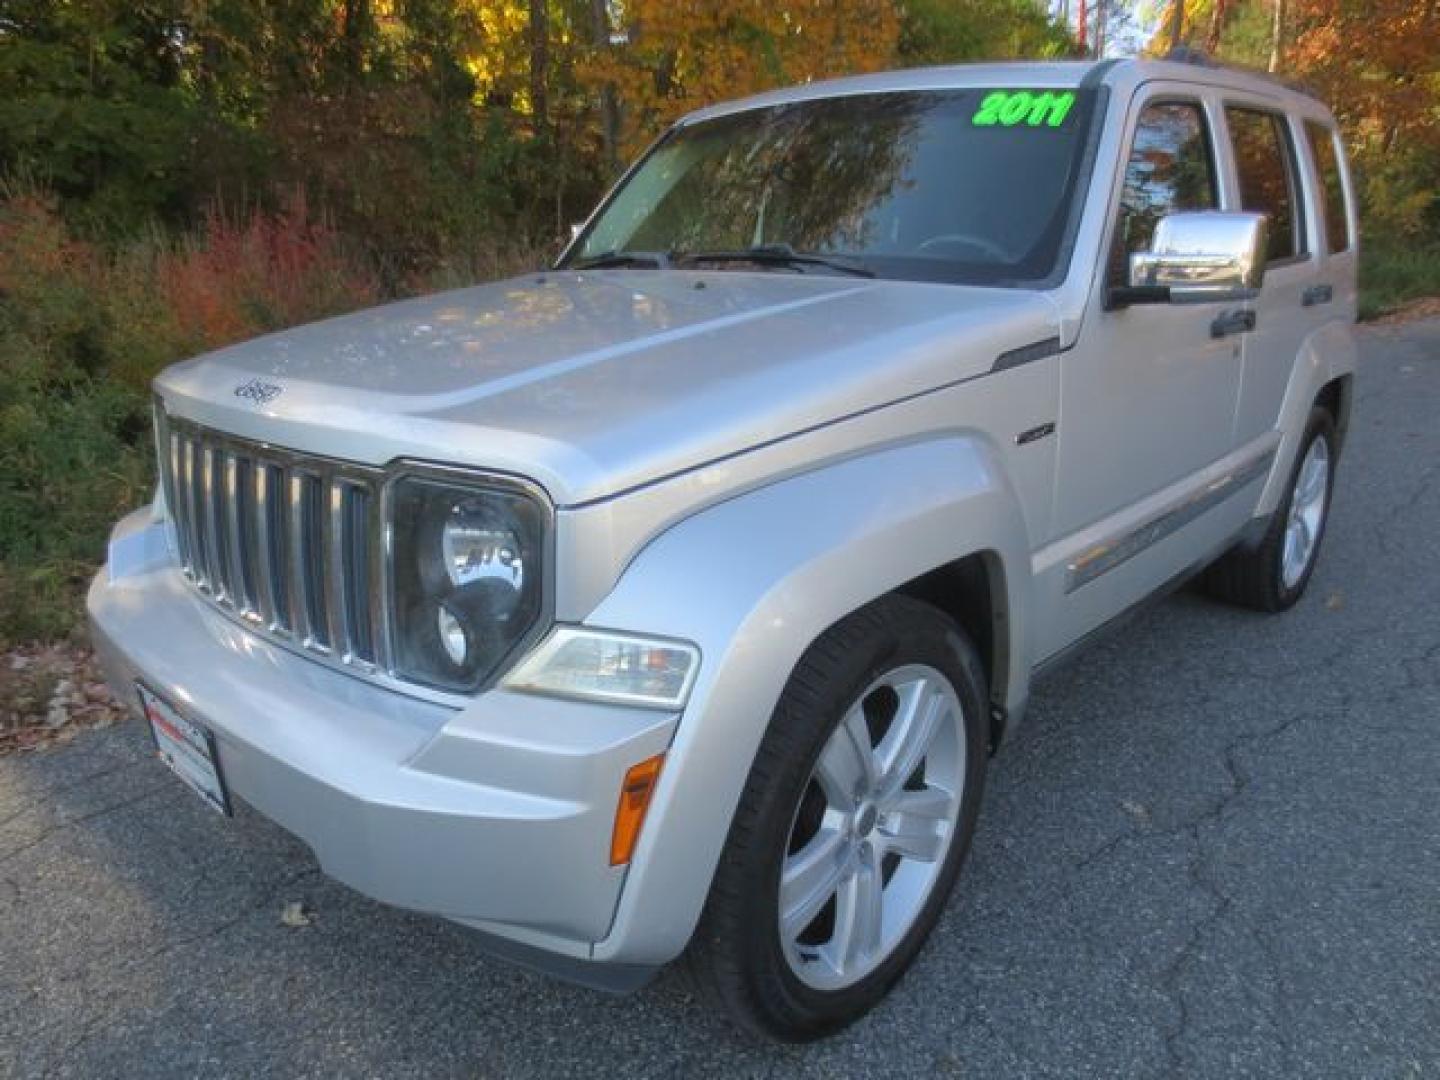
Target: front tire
[{"x": 852, "y": 827}]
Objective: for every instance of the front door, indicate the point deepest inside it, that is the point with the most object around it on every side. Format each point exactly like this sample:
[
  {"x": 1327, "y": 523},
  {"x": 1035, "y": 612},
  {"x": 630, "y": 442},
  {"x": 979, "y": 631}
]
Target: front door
[{"x": 1148, "y": 394}]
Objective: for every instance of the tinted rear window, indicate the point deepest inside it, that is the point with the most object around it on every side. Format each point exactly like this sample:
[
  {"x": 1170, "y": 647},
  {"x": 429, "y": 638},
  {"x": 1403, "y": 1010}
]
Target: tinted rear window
[{"x": 1265, "y": 162}]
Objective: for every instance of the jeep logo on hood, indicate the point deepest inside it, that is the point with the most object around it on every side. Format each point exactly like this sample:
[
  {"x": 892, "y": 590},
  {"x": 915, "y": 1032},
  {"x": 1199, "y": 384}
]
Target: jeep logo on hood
[{"x": 258, "y": 391}]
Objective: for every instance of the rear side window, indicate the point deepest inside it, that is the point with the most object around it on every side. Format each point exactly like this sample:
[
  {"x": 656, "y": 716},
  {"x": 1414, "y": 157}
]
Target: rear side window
[
  {"x": 1170, "y": 169},
  {"x": 1265, "y": 162},
  {"x": 1332, "y": 191}
]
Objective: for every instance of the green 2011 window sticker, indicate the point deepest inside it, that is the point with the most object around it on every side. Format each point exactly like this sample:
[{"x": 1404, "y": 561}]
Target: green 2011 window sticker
[{"x": 1009, "y": 108}]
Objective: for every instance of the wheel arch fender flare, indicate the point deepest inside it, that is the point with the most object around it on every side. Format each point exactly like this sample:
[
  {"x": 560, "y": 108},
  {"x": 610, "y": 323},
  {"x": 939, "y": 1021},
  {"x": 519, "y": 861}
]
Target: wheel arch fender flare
[
  {"x": 753, "y": 581},
  {"x": 1328, "y": 353}
]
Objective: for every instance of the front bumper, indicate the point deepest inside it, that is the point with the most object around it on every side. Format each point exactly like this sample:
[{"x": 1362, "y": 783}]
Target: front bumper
[{"x": 497, "y": 815}]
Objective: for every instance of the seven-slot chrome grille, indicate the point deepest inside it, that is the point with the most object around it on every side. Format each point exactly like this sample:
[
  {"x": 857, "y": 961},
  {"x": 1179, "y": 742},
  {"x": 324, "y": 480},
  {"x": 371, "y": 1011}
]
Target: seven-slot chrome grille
[{"x": 286, "y": 542}]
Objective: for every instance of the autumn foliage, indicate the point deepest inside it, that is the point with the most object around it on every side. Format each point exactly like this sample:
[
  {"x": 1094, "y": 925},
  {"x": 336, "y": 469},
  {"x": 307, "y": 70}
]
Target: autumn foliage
[
  {"x": 179, "y": 174},
  {"x": 681, "y": 54},
  {"x": 1376, "y": 63},
  {"x": 84, "y": 327},
  {"x": 176, "y": 175}
]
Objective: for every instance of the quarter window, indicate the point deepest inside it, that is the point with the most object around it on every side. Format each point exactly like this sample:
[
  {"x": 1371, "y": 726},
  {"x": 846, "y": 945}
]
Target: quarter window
[
  {"x": 1170, "y": 169},
  {"x": 1332, "y": 191},
  {"x": 1265, "y": 162}
]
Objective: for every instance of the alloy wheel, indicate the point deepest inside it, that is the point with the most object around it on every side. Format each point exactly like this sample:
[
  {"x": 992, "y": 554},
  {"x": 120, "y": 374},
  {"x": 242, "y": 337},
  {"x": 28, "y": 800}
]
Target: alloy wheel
[
  {"x": 873, "y": 827},
  {"x": 1307, "y": 513}
]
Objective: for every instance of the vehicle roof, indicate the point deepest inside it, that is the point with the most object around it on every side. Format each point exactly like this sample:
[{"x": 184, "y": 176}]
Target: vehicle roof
[{"x": 1119, "y": 75}]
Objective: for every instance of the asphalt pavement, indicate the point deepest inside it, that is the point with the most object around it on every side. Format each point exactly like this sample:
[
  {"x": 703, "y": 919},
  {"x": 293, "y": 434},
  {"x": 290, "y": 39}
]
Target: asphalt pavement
[{"x": 1213, "y": 850}]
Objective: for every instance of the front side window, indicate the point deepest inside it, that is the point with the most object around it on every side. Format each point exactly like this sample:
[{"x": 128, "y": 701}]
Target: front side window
[
  {"x": 1170, "y": 169},
  {"x": 974, "y": 186},
  {"x": 1332, "y": 190},
  {"x": 1265, "y": 162}
]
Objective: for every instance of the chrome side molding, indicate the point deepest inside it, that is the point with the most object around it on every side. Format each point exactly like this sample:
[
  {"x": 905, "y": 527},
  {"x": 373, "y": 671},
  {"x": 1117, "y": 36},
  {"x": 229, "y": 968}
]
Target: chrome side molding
[{"x": 1113, "y": 551}]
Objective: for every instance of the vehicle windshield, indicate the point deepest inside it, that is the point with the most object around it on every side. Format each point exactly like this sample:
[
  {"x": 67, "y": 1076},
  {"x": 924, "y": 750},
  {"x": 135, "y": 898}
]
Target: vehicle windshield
[{"x": 971, "y": 186}]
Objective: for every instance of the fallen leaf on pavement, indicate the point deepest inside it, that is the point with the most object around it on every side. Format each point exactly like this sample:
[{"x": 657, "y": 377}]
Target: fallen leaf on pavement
[
  {"x": 295, "y": 916},
  {"x": 49, "y": 691},
  {"x": 1136, "y": 810}
]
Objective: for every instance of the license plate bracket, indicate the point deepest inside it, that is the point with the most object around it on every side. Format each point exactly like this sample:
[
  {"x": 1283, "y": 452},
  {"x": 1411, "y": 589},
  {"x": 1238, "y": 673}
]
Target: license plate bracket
[{"x": 188, "y": 748}]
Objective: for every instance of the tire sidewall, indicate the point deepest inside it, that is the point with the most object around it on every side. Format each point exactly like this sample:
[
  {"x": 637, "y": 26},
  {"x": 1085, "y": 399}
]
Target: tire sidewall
[
  {"x": 1319, "y": 426},
  {"x": 925, "y": 638}
]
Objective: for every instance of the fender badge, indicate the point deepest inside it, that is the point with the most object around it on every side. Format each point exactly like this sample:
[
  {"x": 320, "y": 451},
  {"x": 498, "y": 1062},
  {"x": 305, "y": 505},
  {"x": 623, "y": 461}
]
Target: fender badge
[{"x": 259, "y": 391}]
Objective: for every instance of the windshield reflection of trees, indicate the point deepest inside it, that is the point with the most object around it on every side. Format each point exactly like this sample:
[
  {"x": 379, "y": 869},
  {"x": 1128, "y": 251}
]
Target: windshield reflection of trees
[{"x": 808, "y": 176}]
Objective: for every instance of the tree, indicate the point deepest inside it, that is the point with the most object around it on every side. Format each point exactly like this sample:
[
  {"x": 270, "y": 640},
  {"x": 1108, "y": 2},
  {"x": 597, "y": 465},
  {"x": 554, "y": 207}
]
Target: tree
[
  {"x": 539, "y": 63},
  {"x": 1277, "y": 36},
  {"x": 357, "y": 32},
  {"x": 676, "y": 55},
  {"x": 609, "y": 104},
  {"x": 1177, "y": 23},
  {"x": 1377, "y": 65},
  {"x": 1217, "y": 25},
  {"x": 942, "y": 31}
]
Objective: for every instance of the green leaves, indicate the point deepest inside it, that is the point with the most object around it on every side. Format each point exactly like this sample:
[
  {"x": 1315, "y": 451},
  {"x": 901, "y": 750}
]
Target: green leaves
[{"x": 944, "y": 32}]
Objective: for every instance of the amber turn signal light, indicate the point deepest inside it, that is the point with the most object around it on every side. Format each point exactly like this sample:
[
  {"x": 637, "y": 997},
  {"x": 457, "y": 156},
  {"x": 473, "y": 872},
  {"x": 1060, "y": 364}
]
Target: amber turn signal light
[{"x": 635, "y": 795}]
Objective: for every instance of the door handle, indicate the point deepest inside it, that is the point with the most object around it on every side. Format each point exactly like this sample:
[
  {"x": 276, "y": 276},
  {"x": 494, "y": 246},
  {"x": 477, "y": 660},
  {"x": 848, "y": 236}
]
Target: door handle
[
  {"x": 1232, "y": 322},
  {"x": 1317, "y": 294}
]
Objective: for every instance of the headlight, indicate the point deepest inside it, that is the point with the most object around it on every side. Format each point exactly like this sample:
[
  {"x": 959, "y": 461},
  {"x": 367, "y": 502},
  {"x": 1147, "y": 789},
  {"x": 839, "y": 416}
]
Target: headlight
[
  {"x": 599, "y": 665},
  {"x": 467, "y": 569}
]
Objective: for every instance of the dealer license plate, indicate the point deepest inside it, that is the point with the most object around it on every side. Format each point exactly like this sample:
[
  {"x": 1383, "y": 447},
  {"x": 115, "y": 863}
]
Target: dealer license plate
[{"x": 187, "y": 747}]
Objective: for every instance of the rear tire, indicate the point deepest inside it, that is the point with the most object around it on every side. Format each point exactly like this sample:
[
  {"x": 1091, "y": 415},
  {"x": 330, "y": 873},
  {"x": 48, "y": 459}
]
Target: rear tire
[
  {"x": 1273, "y": 576},
  {"x": 852, "y": 827}
]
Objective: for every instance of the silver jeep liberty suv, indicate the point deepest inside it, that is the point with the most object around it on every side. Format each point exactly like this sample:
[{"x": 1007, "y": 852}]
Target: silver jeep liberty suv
[{"x": 673, "y": 600}]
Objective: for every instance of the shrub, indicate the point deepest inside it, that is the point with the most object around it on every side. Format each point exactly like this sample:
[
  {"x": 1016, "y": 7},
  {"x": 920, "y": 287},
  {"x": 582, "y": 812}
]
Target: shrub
[
  {"x": 1398, "y": 202},
  {"x": 84, "y": 330},
  {"x": 1391, "y": 274}
]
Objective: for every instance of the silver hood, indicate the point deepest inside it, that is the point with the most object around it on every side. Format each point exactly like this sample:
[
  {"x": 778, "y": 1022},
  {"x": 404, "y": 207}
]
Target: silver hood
[{"x": 594, "y": 382}]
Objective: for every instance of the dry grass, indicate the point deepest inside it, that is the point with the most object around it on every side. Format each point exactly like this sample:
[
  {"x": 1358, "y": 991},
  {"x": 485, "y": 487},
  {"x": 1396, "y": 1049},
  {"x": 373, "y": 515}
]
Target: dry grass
[{"x": 1427, "y": 307}]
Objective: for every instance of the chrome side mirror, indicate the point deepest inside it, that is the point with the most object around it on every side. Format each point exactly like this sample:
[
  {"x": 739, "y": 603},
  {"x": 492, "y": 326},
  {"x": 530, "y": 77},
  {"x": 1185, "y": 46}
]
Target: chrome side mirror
[{"x": 1200, "y": 257}]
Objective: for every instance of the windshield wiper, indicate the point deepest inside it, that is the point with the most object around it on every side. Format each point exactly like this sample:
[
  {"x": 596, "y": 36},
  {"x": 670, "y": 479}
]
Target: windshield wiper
[
  {"x": 777, "y": 255},
  {"x": 657, "y": 259}
]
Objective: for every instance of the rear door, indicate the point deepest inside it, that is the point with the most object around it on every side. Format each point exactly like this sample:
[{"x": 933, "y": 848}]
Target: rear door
[
  {"x": 1263, "y": 151},
  {"x": 1335, "y": 297}
]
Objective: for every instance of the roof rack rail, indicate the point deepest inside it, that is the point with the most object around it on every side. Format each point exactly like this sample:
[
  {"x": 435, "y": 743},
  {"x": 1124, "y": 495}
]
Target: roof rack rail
[{"x": 1185, "y": 54}]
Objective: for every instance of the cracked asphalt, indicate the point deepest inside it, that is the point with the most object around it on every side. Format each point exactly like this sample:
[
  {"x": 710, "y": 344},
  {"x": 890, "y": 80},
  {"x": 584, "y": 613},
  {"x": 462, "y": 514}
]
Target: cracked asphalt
[{"x": 1213, "y": 850}]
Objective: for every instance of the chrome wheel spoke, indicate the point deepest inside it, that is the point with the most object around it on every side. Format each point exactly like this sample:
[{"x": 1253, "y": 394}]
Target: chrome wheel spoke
[
  {"x": 923, "y": 707},
  {"x": 859, "y": 911},
  {"x": 1304, "y": 483},
  {"x": 847, "y": 762},
  {"x": 810, "y": 878},
  {"x": 927, "y": 804},
  {"x": 911, "y": 826},
  {"x": 1307, "y": 513},
  {"x": 1314, "y": 485}
]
